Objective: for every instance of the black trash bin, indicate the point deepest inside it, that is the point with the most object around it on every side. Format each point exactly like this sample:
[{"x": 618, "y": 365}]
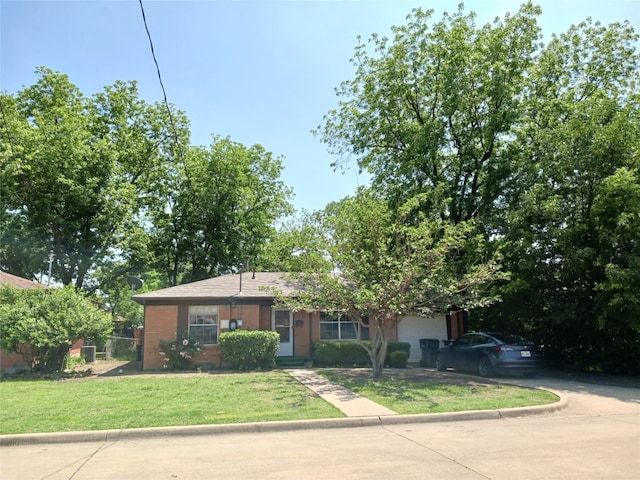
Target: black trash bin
[
  {"x": 139, "y": 350},
  {"x": 429, "y": 347}
]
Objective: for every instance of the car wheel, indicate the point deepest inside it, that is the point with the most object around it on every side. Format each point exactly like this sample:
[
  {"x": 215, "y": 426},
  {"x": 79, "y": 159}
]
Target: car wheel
[
  {"x": 440, "y": 363},
  {"x": 484, "y": 367}
]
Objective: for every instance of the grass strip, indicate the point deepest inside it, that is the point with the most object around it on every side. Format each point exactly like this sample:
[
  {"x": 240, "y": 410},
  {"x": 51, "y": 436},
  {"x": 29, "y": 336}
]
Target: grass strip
[
  {"x": 153, "y": 401},
  {"x": 434, "y": 395}
]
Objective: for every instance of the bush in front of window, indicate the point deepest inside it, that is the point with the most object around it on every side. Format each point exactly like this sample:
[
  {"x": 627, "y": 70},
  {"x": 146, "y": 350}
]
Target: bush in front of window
[
  {"x": 327, "y": 353},
  {"x": 249, "y": 349},
  {"x": 178, "y": 354}
]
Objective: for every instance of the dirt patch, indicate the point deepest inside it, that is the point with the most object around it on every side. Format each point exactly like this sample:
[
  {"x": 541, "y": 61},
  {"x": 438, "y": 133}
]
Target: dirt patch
[{"x": 110, "y": 367}]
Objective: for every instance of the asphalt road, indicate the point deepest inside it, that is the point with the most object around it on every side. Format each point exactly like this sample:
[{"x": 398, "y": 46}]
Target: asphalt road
[{"x": 596, "y": 437}]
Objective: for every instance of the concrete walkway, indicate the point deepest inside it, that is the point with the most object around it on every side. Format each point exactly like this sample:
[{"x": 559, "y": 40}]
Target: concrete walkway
[{"x": 350, "y": 403}]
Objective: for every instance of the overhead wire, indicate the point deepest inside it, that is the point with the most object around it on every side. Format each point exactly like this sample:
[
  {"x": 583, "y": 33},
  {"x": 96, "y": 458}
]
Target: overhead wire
[{"x": 164, "y": 93}]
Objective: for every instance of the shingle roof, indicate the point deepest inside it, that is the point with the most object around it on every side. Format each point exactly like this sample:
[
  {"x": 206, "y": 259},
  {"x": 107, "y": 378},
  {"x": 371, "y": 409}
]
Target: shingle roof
[
  {"x": 225, "y": 287},
  {"x": 18, "y": 282}
]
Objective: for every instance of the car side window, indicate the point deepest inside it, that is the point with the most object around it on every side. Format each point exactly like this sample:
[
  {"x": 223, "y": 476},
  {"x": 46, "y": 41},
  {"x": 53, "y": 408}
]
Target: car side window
[{"x": 480, "y": 340}]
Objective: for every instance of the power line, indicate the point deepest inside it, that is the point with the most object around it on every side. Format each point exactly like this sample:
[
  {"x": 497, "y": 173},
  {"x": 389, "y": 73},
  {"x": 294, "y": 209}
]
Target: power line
[{"x": 164, "y": 93}]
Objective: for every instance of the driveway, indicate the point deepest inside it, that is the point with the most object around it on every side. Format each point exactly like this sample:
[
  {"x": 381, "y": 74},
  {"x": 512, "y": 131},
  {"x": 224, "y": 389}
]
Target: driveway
[{"x": 596, "y": 437}]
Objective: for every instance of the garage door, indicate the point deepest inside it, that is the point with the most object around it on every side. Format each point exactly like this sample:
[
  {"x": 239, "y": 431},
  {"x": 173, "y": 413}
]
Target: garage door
[{"x": 413, "y": 328}]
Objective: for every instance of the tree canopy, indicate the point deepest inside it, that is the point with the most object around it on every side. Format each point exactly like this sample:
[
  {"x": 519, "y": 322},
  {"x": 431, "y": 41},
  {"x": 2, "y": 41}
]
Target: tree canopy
[
  {"x": 114, "y": 189},
  {"x": 220, "y": 206},
  {"x": 383, "y": 267},
  {"x": 76, "y": 172},
  {"x": 533, "y": 142}
]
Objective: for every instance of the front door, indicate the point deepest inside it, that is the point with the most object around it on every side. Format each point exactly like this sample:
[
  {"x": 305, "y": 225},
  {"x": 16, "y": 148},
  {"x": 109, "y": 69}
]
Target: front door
[{"x": 282, "y": 322}]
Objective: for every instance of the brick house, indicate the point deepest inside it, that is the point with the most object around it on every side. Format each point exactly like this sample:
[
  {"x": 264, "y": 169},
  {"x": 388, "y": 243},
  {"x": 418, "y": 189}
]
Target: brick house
[{"x": 204, "y": 309}]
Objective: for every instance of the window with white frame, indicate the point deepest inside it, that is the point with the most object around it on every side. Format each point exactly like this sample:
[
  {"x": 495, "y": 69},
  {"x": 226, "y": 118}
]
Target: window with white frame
[
  {"x": 203, "y": 324},
  {"x": 336, "y": 326}
]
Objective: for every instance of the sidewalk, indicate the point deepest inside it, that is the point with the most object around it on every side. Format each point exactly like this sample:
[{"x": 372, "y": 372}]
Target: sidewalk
[{"x": 350, "y": 403}]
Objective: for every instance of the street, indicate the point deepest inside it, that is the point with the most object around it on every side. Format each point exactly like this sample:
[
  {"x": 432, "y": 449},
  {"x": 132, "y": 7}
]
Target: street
[{"x": 596, "y": 437}]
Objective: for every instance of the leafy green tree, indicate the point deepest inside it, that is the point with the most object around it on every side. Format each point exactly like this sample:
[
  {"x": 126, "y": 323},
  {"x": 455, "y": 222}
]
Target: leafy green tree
[
  {"x": 578, "y": 129},
  {"x": 430, "y": 110},
  {"x": 617, "y": 210},
  {"x": 494, "y": 126},
  {"x": 220, "y": 207},
  {"x": 42, "y": 324},
  {"x": 76, "y": 173},
  {"x": 384, "y": 268},
  {"x": 297, "y": 243}
]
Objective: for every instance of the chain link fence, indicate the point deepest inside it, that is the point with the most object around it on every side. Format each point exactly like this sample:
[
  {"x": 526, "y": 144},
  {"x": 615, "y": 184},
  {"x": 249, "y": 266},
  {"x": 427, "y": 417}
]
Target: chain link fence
[{"x": 121, "y": 348}]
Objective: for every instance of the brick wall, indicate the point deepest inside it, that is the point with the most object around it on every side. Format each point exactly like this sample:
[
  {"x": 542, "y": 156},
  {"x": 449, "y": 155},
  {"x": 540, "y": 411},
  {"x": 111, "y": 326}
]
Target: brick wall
[
  {"x": 160, "y": 323},
  {"x": 250, "y": 317},
  {"x": 10, "y": 362}
]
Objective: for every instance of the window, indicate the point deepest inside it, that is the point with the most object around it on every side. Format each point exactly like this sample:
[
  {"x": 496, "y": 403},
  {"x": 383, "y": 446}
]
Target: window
[
  {"x": 336, "y": 326},
  {"x": 203, "y": 324}
]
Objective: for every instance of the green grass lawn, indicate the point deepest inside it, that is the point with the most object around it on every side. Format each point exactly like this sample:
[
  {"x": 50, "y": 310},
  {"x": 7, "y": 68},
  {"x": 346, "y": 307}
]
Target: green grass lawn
[
  {"x": 428, "y": 395},
  {"x": 198, "y": 399},
  {"x": 152, "y": 401}
]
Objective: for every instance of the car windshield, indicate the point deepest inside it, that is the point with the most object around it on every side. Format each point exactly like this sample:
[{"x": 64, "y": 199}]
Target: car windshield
[{"x": 511, "y": 339}]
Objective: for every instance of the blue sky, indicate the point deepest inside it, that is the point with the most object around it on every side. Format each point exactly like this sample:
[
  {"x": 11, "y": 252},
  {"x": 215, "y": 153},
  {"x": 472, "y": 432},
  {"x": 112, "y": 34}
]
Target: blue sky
[{"x": 260, "y": 72}]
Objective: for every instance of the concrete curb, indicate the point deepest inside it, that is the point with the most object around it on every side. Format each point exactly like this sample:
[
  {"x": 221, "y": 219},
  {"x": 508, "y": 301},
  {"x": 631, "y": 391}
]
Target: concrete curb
[{"x": 282, "y": 426}]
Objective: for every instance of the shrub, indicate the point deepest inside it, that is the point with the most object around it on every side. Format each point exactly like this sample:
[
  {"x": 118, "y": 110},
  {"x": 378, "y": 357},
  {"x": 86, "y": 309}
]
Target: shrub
[
  {"x": 398, "y": 359},
  {"x": 178, "y": 354},
  {"x": 73, "y": 362},
  {"x": 249, "y": 349},
  {"x": 340, "y": 354},
  {"x": 42, "y": 324},
  {"x": 398, "y": 347},
  {"x": 327, "y": 353}
]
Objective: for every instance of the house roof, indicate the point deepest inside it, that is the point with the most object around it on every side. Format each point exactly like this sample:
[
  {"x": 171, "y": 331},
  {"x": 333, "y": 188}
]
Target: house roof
[
  {"x": 18, "y": 282},
  {"x": 224, "y": 287}
]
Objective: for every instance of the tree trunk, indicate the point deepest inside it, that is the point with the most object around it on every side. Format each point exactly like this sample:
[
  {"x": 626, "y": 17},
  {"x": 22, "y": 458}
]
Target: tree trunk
[{"x": 378, "y": 352}]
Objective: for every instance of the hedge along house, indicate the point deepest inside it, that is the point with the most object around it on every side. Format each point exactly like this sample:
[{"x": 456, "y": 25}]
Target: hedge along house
[{"x": 203, "y": 310}]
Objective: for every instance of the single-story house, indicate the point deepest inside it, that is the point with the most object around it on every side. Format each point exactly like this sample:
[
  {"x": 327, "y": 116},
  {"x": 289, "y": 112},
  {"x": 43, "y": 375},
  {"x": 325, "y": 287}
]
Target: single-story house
[{"x": 204, "y": 309}]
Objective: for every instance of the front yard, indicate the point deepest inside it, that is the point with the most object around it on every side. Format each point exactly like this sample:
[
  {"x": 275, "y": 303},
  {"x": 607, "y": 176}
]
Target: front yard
[
  {"x": 102, "y": 403},
  {"x": 117, "y": 401}
]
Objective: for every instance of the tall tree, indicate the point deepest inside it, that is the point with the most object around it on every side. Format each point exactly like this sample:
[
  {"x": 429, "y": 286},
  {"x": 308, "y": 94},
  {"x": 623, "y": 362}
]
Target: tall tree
[
  {"x": 384, "y": 267},
  {"x": 578, "y": 129},
  {"x": 220, "y": 206},
  {"x": 297, "y": 243},
  {"x": 431, "y": 108},
  {"x": 74, "y": 171},
  {"x": 522, "y": 137}
]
